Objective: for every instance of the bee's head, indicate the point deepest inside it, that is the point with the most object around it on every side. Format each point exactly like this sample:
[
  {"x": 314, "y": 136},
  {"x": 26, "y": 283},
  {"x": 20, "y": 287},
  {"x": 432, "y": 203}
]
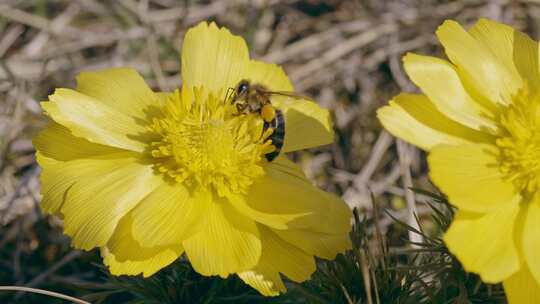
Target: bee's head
[
  {"x": 239, "y": 92},
  {"x": 242, "y": 88}
]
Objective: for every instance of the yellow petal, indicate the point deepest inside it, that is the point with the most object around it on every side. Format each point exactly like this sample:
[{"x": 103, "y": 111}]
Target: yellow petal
[
  {"x": 55, "y": 180},
  {"x": 212, "y": 57},
  {"x": 55, "y": 146},
  {"x": 227, "y": 242},
  {"x": 97, "y": 201},
  {"x": 470, "y": 176},
  {"x": 58, "y": 143},
  {"x": 274, "y": 220},
  {"x": 531, "y": 238},
  {"x": 166, "y": 216},
  {"x": 263, "y": 278},
  {"x": 323, "y": 245},
  {"x": 482, "y": 72},
  {"x": 415, "y": 119},
  {"x": 121, "y": 89},
  {"x": 514, "y": 49},
  {"x": 285, "y": 190},
  {"x": 86, "y": 117},
  {"x": 307, "y": 125},
  {"x": 286, "y": 258},
  {"x": 439, "y": 80},
  {"x": 484, "y": 244},
  {"x": 278, "y": 257},
  {"x": 269, "y": 75},
  {"x": 125, "y": 256},
  {"x": 58, "y": 176},
  {"x": 147, "y": 267},
  {"x": 278, "y": 220},
  {"x": 522, "y": 288}
]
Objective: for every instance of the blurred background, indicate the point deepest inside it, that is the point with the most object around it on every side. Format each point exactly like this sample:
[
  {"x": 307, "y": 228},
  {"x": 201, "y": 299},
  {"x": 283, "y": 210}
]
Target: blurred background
[{"x": 344, "y": 54}]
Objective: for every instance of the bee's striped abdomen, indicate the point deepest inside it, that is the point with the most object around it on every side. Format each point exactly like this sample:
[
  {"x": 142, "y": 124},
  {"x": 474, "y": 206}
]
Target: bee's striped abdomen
[{"x": 278, "y": 136}]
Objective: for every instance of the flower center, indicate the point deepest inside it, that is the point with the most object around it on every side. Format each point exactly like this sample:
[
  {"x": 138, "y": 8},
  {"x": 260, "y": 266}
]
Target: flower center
[
  {"x": 520, "y": 146},
  {"x": 202, "y": 143}
]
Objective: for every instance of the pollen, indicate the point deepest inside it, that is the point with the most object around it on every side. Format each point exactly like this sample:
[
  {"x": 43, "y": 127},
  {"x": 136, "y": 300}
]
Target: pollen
[
  {"x": 201, "y": 142},
  {"x": 520, "y": 145}
]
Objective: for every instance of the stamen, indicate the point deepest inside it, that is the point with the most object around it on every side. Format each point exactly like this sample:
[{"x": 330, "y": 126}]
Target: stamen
[
  {"x": 520, "y": 146},
  {"x": 203, "y": 144}
]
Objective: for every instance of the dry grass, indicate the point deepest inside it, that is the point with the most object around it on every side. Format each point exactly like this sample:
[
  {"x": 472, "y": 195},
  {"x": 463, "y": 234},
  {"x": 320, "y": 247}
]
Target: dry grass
[{"x": 345, "y": 54}]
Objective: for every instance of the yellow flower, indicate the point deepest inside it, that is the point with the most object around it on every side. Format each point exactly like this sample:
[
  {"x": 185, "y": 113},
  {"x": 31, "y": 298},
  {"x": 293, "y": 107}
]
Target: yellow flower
[
  {"x": 480, "y": 122},
  {"x": 148, "y": 176}
]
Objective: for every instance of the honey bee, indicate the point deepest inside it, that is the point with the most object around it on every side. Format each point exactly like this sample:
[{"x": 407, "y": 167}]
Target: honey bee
[{"x": 254, "y": 98}]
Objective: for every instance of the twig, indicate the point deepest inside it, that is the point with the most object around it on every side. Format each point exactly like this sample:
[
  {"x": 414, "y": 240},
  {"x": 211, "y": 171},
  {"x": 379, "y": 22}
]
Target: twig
[
  {"x": 44, "y": 292},
  {"x": 343, "y": 49},
  {"x": 361, "y": 181},
  {"x": 153, "y": 50},
  {"x": 35, "y": 21},
  {"x": 405, "y": 163},
  {"x": 10, "y": 36},
  {"x": 40, "y": 278},
  {"x": 396, "y": 69},
  {"x": 347, "y": 296},
  {"x": 35, "y": 47},
  {"x": 22, "y": 184},
  {"x": 92, "y": 40},
  {"x": 377, "y": 153},
  {"x": 312, "y": 41},
  {"x": 366, "y": 277}
]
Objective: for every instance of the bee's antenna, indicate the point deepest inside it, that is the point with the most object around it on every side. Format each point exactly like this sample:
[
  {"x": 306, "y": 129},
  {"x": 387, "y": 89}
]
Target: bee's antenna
[{"x": 227, "y": 94}]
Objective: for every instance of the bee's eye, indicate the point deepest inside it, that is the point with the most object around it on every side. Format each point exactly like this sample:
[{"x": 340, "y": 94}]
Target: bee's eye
[{"x": 243, "y": 87}]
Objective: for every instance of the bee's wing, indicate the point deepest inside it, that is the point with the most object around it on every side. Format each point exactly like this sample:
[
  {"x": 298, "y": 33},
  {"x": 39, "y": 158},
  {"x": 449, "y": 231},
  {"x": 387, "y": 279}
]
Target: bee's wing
[{"x": 288, "y": 94}]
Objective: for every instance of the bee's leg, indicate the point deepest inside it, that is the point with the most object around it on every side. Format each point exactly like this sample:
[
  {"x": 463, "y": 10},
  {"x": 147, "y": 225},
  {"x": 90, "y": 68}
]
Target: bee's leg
[
  {"x": 268, "y": 113},
  {"x": 240, "y": 107},
  {"x": 268, "y": 126}
]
